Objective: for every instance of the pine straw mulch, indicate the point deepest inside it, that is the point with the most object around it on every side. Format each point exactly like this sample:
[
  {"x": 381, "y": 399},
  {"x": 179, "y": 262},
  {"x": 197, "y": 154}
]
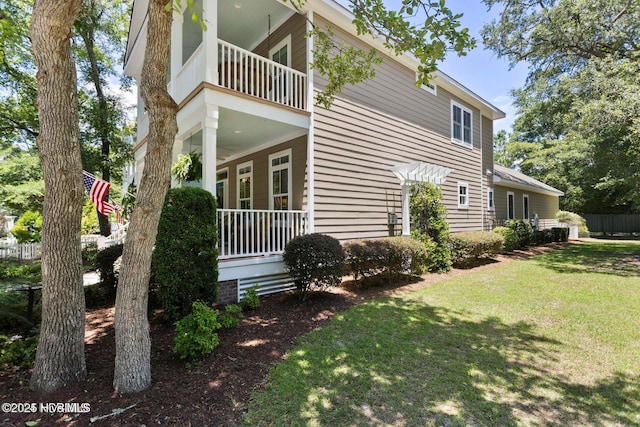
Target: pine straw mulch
[{"x": 216, "y": 392}]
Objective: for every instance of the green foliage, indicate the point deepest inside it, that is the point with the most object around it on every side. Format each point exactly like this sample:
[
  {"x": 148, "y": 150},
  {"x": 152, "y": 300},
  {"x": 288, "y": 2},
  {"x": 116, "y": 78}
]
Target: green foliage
[
  {"x": 314, "y": 261},
  {"x": 129, "y": 200},
  {"x": 251, "y": 299},
  {"x": 19, "y": 272},
  {"x": 428, "y": 223},
  {"x": 188, "y": 167},
  {"x": 185, "y": 260},
  {"x": 105, "y": 261},
  {"x": 231, "y": 316},
  {"x": 18, "y": 353},
  {"x": 28, "y": 228},
  {"x": 196, "y": 333},
  {"x": 523, "y": 230},
  {"x": 90, "y": 255},
  {"x": 89, "y": 218},
  {"x": 389, "y": 256},
  {"x": 468, "y": 246},
  {"x": 509, "y": 237},
  {"x": 21, "y": 185}
]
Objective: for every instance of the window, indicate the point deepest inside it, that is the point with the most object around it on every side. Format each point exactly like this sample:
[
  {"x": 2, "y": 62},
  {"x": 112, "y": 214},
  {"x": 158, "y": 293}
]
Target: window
[
  {"x": 280, "y": 180},
  {"x": 222, "y": 188},
  {"x": 511, "y": 207},
  {"x": 245, "y": 185},
  {"x": 281, "y": 53},
  {"x": 525, "y": 206},
  {"x": 490, "y": 200},
  {"x": 430, "y": 87},
  {"x": 461, "y": 125},
  {"x": 463, "y": 195}
]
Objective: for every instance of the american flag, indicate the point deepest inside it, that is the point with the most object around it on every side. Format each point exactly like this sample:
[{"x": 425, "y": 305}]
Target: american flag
[{"x": 98, "y": 192}]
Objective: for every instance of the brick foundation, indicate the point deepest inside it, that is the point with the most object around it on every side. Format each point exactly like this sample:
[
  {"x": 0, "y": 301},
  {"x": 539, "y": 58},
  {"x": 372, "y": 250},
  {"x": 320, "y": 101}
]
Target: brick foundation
[{"x": 228, "y": 292}]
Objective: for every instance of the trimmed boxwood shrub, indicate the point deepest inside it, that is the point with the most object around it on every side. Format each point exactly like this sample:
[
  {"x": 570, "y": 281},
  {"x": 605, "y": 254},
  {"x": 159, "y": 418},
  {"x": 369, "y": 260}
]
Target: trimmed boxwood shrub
[
  {"x": 105, "y": 260},
  {"x": 523, "y": 230},
  {"x": 314, "y": 261},
  {"x": 468, "y": 246},
  {"x": 509, "y": 237},
  {"x": 185, "y": 260},
  {"x": 390, "y": 256}
]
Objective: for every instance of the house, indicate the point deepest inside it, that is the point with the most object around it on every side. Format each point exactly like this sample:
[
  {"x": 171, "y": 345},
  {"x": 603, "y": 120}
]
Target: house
[
  {"x": 518, "y": 196},
  {"x": 281, "y": 166}
]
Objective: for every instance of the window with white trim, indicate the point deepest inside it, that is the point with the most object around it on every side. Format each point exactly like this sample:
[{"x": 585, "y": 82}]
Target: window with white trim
[
  {"x": 222, "y": 188},
  {"x": 511, "y": 205},
  {"x": 461, "y": 124},
  {"x": 463, "y": 195},
  {"x": 490, "y": 199},
  {"x": 525, "y": 206},
  {"x": 245, "y": 185},
  {"x": 430, "y": 87},
  {"x": 281, "y": 52},
  {"x": 280, "y": 180}
]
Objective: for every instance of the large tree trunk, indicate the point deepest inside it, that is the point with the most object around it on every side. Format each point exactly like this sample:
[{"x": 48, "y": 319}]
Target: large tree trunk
[
  {"x": 133, "y": 346},
  {"x": 60, "y": 355}
]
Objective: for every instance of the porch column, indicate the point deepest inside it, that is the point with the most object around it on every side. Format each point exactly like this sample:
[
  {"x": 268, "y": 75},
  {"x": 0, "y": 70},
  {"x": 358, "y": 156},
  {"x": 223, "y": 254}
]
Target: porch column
[
  {"x": 406, "y": 220},
  {"x": 209, "y": 148},
  {"x": 210, "y": 42},
  {"x": 176, "y": 50}
]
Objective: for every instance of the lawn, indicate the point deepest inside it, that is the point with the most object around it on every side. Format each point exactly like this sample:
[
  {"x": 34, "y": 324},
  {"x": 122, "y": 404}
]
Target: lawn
[{"x": 554, "y": 340}]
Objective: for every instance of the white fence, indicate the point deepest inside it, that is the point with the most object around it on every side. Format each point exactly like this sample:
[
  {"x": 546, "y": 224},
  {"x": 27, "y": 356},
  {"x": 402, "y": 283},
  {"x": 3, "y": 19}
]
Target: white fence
[{"x": 23, "y": 251}]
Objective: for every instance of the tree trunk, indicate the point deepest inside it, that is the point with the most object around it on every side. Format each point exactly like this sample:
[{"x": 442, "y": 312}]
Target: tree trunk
[
  {"x": 133, "y": 346},
  {"x": 60, "y": 355}
]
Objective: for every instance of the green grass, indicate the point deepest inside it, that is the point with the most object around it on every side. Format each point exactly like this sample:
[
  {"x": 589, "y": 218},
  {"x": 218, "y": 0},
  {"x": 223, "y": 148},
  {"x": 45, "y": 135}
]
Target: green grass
[{"x": 554, "y": 340}]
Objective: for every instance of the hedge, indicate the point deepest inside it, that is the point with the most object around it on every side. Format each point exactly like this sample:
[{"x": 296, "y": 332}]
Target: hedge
[
  {"x": 468, "y": 246},
  {"x": 509, "y": 238}
]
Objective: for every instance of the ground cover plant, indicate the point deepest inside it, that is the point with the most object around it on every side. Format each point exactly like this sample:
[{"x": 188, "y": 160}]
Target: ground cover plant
[{"x": 548, "y": 341}]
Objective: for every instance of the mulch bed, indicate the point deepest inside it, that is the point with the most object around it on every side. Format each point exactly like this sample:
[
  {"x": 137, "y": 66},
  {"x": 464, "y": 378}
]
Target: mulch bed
[{"x": 216, "y": 392}]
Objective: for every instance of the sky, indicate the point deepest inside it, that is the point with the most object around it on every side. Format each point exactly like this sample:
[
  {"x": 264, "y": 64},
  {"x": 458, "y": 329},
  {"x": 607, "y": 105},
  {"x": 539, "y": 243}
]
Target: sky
[{"x": 480, "y": 70}]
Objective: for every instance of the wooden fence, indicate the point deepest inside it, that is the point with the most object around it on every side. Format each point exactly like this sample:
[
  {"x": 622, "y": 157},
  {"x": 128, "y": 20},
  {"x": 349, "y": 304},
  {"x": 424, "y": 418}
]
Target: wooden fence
[{"x": 613, "y": 223}]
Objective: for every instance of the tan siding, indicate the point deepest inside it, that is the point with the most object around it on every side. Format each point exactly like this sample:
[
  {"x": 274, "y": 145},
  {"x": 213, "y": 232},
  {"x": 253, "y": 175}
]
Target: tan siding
[
  {"x": 544, "y": 205},
  {"x": 296, "y": 26},
  {"x": 487, "y": 164},
  {"x": 261, "y": 174}
]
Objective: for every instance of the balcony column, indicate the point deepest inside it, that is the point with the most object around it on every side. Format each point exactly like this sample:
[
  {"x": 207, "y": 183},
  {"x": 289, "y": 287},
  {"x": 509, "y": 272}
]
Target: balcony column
[
  {"x": 210, "y": 42},
  {"x": 209, "y": 148},
  {"x": 176, "y": 50}
]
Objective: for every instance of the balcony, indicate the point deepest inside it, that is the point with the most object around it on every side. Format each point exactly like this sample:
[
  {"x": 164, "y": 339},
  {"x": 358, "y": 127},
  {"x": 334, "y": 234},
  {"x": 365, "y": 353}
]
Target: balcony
[
  {"x": 251, "y": 233},
  {"x": 244, "y": 72}
]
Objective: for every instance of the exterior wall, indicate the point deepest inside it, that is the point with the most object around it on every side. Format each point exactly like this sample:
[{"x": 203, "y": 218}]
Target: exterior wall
[
  {"x": 546, "y": 206},
  {"x": 487, "y": 165},
  {"x": 261, "y": 174},
  {"x": 383, "y": 123},
  {"x": 296, "y": 26}
]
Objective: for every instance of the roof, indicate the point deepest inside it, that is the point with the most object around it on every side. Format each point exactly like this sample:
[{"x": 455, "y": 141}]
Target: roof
[{"x": 508, "y": 177}]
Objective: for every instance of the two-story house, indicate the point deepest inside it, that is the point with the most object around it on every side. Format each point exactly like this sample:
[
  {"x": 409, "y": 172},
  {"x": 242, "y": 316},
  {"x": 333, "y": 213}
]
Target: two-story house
[{"x": 281, "y": 166}]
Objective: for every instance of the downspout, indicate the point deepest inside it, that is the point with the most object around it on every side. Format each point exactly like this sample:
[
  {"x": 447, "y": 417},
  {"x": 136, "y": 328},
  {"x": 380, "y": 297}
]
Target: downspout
[
  {"x": 482, "y": 195},
  {"x": 310, "y": 134}
]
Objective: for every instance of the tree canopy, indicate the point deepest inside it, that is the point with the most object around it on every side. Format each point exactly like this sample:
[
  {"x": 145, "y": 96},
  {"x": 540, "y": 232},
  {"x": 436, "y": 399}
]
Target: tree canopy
[{"x": 578, "y": 126}]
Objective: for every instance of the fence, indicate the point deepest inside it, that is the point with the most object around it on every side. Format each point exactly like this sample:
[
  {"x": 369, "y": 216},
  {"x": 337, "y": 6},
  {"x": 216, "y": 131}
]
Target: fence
[
  {"x": 613, "y": 223},
  {"x": 24, "y": 251}
]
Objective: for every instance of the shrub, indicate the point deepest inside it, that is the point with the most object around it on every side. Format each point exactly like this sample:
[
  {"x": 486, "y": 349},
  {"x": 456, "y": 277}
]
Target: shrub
[
  {"x": 509, "y": 237},
  {"x": 251, "y": 299},
  {"x": 523, "y": 230},
  {"x": 472, "y": 245},
  {"x": 89, "y": 255},
  {"x": 196, "y": 333},
  {"x": 560, "y": 234},
  {"x": 314, "y": 261},
  {"x": 28, "y": 228},
  {"x": 185, "y": 261},
  {"x": 105, "y": 261},
  {"x": 20, "y": 353},
  {"x": 571, "y": 218},
  {"x": 231, "y": 316},
  {"x": 390, "y": 256},
  {"x": 429, "y": 224}
]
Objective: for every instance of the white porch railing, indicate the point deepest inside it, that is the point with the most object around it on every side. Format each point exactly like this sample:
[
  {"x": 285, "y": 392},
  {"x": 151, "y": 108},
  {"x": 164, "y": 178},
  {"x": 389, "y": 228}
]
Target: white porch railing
[
  {"x": 252, "y": 74},
  {"x": 243, "y": 233},
  {"x": 190, "y": 76}
]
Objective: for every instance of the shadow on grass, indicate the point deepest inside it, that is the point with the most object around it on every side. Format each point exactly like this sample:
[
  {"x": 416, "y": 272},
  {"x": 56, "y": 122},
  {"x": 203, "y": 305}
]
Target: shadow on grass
[
  {"x": 617, "y": 258},
  {"x": 399, "y": 362}
]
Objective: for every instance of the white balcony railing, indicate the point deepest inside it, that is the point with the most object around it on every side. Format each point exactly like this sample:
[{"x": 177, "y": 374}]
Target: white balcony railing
[
  {"x": 190, "y": 76},
  {"x": 252, "y": 74},
  {"x": 243, "y": 233}
]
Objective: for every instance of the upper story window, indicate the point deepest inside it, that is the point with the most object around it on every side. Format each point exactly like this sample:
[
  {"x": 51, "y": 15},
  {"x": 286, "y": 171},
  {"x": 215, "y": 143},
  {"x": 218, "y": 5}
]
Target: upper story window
[
  {"x": 463, "y": 195},
  {"x": 281, "y": 52},
  {"x": 461, "y": 124},
  {"x": 245, "y": 185},
  {"x": 280, "y": 180},
  {"x": 430, "y": 87}
]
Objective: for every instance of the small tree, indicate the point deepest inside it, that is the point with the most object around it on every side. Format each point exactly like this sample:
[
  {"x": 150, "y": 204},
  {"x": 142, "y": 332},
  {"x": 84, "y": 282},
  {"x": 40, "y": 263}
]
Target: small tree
[
  {"x": 314, "y": 261},
  {"x": 28, "y": 228},
  {"x": 185, "y": 261},
  {"x": 428, "y": 223}
]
